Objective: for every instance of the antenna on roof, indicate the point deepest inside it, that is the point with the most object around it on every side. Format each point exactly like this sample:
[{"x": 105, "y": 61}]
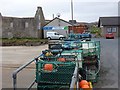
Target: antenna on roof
[
  {"x": 58, "y": 15},
  {"x": 53, "y": 16}
]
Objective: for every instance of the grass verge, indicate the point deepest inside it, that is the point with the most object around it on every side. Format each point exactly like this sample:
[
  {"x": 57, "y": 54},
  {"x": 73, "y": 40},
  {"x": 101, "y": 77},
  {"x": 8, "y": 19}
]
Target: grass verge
[{"x": 23, "y": 41}]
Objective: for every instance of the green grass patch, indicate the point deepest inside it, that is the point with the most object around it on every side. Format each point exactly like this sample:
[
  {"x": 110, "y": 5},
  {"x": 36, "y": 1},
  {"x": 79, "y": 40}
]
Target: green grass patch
[{"x": 21, "y": 41}]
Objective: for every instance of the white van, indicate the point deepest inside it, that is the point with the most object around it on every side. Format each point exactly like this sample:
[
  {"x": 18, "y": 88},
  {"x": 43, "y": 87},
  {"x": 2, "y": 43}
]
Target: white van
[{"x": 54, "y": 35}]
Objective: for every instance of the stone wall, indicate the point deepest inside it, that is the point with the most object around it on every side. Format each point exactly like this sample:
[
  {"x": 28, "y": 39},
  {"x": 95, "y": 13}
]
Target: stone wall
[
  {"x": 0, "y": 25},
  {"x": 18, "y": 27},
  {"x": 13, "y": 27}
]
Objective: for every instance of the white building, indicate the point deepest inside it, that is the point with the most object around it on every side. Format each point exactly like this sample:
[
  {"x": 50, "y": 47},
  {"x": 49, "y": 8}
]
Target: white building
[{"x": 58, "y": 25}]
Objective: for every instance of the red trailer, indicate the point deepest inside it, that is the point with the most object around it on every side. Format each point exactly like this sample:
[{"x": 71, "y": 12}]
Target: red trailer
[{"x": 77, "y": 29}]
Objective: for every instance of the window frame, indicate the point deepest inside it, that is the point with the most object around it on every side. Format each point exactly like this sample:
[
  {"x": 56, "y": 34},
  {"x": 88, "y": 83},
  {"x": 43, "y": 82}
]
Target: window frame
[
  {"x": 109, "y": 30},
  {"x": 114, "y": 29},
  {"x": 26, "y": 24},
  {"x": 11, "y": 24}
]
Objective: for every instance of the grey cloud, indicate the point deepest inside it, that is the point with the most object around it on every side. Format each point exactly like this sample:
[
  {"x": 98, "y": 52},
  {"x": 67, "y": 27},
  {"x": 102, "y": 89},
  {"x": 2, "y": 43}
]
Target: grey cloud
[{"x": 83, "y": 11}]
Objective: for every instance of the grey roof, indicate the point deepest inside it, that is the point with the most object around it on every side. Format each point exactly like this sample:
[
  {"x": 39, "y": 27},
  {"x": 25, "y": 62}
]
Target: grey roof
[
  {"x": 109, "y": 21},
  {"x": 73, "y": 21},
  {"x": 59, "y": 19}
]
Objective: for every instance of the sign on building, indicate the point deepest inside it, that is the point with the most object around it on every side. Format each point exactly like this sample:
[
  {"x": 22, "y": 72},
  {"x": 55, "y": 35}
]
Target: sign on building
[{"x": 55, "y": 28}]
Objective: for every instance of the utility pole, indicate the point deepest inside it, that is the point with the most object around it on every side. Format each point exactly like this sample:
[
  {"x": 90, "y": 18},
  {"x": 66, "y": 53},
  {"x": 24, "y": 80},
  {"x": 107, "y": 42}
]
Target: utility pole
[
  {"x": 72, "y": 13},
  {"x": 72, "y": 9}
]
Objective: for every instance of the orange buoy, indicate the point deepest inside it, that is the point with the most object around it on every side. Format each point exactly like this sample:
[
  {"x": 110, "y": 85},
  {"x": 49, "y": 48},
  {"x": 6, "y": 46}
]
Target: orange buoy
[
  {"x": 83, "y": 82},
  {"x": 85, "y": 87},
  {"x": 48, "y": 67},
  {"x": 61, "y": 59}
]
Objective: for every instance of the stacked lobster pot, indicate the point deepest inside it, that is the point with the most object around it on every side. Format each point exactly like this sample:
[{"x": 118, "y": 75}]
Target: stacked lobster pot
[
  {"x": 53, "y": 69},
  {"x": 67, "y": 64},
  {"x": 91, "y": 59}
]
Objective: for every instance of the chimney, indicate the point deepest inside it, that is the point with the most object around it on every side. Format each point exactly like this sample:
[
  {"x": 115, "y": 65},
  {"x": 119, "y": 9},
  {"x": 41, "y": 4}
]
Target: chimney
[
  {"x": 40, "y": 21},
  {"x": 39, "y": 15}
]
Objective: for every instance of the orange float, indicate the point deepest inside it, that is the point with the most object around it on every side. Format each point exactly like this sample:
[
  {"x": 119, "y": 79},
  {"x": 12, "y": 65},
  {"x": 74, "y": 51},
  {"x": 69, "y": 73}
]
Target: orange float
[
  {"x": 85, "y": 87},
  {"x": 83, "y": 82},
  {"x": 48, "y": 67},
  {"x": 61, "y": 59}
]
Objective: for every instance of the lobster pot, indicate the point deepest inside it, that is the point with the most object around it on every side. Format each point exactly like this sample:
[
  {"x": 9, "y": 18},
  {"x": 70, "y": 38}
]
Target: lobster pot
[
  {"x": 70, "y": 53},
  {"x": 91, "y": 74},
  {"x": 74, "y": 36},
  {"x": 61, "y": 74},
  {"x": 76, "y": 53},
  {"x": 91, "y": 48},
  {"x": 91, "y": 57}
]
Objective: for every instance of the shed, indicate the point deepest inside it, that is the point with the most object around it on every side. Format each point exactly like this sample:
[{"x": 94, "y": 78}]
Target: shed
[
  {"x": 109, "y": 25},
  {"x": 58, "y": 25}
]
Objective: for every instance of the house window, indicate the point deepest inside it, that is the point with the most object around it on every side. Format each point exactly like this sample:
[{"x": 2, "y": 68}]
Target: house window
[
  {"x": 114, "y": 29},
  {"x": 11, "y": 24},
  {"x": 26, "y": 24},
  {"x": 109, "y": 30}
]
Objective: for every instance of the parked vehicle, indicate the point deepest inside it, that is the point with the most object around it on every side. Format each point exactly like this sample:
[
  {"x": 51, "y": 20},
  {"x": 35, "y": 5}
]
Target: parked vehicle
[
  {"x": 54, "y": 35},
  {"x": 86, "y": 36},
  {"x": 109, "y": 36}
]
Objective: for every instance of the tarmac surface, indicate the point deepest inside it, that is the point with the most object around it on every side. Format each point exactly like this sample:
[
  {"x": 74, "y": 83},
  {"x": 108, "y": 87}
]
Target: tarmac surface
[
  {"x": 15, "y": 56},
  {"x": 109, "y": 64}
]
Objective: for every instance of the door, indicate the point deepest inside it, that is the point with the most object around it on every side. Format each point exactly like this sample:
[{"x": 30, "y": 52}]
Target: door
[{"x": 56, "y": 36}]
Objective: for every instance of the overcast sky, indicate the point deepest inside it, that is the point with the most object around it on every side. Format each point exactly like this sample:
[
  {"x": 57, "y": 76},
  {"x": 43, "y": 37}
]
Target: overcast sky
[{"x": 84, "y": 10}]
